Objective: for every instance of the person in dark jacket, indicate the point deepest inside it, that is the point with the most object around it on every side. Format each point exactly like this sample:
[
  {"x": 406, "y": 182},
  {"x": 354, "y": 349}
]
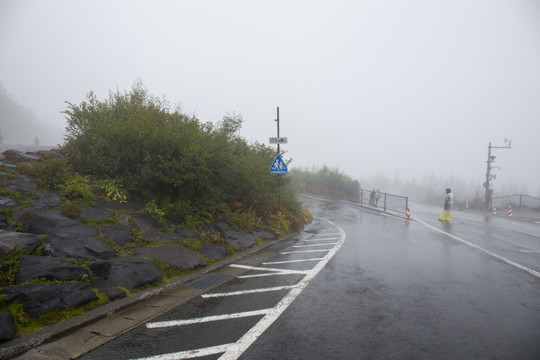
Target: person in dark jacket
[{"x": 447, "y": 206}]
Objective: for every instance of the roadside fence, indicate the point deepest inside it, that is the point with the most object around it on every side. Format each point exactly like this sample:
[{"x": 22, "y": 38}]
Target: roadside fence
[
  {"x": 385, "y": 201},
  {"x": 517, "y": 201}
]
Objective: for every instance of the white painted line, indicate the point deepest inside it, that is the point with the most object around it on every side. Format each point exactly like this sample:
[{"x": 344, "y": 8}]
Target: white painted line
[
  {"x": 312, "y": 245},
  {"x": 245, "y": 292},
  {"x": 502, "y": 258},
  {"x": 291, "y": 261},
  {"x": 530, "y": 251},
  {"x": 234, "y": 351},
  {"x": 315, "y": 237},
  {"x": 265, "y": 275},
  {"x": 172, "y": 323},
  {"x": 256, "y": 268},
  {"x": 190, "y": 354},
  {"x": 321, "y": 240},
  {"x": 302, "y": 251}
]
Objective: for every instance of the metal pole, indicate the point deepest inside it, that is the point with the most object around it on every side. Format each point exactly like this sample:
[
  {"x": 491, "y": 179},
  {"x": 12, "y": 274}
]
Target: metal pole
[{"x": 278, "y": 151}]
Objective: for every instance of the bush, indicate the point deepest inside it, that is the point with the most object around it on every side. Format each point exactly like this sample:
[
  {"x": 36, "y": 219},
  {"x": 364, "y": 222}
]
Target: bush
[
  {"x": 51, "y": 173},
  {"x": 169, "y": 157}
]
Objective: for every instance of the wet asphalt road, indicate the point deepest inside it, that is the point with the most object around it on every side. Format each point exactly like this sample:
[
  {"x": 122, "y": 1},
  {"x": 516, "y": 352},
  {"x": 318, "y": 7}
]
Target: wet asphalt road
[{"x": 364, "y": 285}]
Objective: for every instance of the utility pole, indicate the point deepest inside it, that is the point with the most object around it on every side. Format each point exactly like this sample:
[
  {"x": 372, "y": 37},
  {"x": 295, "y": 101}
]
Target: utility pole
[{"x": 490, "y": 160}]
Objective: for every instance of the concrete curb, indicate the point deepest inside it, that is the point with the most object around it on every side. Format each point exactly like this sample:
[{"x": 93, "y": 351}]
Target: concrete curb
[{"x": 55, "y": 331}]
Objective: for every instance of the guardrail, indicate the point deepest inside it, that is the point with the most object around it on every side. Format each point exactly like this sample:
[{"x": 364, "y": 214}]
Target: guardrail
[
  {"x": 385, "y": 201},
  {"x": 517, "y": 201}
]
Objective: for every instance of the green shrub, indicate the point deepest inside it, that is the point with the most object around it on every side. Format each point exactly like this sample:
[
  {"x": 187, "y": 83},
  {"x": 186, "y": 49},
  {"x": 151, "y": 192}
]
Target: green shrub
[
  {"x": 51, "y": 173},
  {"x": 170, "y": 157},
  {"x": 113, "y": 189},
  {"x": 78, "y": 188}
]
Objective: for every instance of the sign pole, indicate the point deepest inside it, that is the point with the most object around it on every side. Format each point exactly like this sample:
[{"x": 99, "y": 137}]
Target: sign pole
[{"x": 279, "y": 176}]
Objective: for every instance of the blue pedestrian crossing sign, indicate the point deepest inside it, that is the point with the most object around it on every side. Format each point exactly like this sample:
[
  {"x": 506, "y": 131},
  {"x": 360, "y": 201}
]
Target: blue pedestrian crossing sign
[{"x": 278, "y": 166}]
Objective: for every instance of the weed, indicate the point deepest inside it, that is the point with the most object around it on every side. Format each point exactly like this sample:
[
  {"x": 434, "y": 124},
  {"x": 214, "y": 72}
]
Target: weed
[{"x": 113, "y": 190}]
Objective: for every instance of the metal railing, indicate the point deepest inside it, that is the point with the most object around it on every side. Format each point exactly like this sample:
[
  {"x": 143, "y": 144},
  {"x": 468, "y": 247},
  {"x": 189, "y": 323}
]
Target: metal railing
[
  {"x": 385, "y": 201},
  {"x": 516, "y": 201}
]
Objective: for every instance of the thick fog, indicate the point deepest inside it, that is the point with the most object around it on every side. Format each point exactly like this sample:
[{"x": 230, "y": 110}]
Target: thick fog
[{"x": 402, "y": 89}]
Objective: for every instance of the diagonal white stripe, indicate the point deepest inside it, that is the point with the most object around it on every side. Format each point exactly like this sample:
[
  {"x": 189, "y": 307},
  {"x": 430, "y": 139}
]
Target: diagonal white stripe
[
  {"x": 257, "y": 268},
  {"x": 190, "y": 354},
  {"x": 235, "y": 351},
  {"x": 244, "y": 292},
  {"x": 171, "y": 323},
  {"x": 291, "y": 261}
]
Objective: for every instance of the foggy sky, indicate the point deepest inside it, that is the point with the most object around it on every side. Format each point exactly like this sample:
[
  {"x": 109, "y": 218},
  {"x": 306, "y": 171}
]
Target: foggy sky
[{"x": 396, "y": 87}]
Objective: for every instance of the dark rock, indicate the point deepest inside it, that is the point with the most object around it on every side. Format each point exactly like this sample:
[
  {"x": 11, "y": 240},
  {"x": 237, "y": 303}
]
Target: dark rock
[
  {"x": 212, "y": 251},
  {"x": 38, "y": 299},
  {"x": 176, "y": 256},
  {"x": 209, "y": 231},
  {"x": 114, "y": 293},
  {"x": 221, "y": 226},
  {"x": 186, "y": 233},
  {"x": 46, "y": 200},
  {"x": 21, "y": 184},
  {"x": 146, "y": 221},
  {"x": 8, "y": 165},
  {"x": 19, "y": 156},
  {"x": 51, "y": 268},
  {"x": 239, "y": 239},
  {"x": 10, "y": 241},
  {"x": 4, "y": 223},
  {"x": 131, "y": 272},
  {"x": 173, "y": 222},
  {"x": 79, "y": 247},
  {"x": 160, "y": 236},
  {"x": 120, "y": 234},
  {"x": 264, "y": 235},
  {"x": 95, "y": 213},
  {"x": 6, "y": 202},
  {"x": 8, "y": 330},
  {"x": 50, "y": 221}
]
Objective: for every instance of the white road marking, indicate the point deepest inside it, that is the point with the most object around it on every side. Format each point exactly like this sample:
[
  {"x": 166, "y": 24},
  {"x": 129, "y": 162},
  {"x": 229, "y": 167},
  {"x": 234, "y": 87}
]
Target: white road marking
[
  {"x": 530, "y": 251},
  {"x": 171, "y": 323},
  {"x": 290, "y": 261},
  {"x": 257, "y": 268},
  {"x": 312, "y": 245},
  {"x": 334, "y": 239},
  {"x": 302, "y": 251},
  {"x": 235, "y": 350},
  {"x": 315, "y": 238},
  {"x": 263, "y": 275},
  {"x": 502, "y": 258},
  {"x": 245, "y": 292},
  {"x": 190, "y": 354}
]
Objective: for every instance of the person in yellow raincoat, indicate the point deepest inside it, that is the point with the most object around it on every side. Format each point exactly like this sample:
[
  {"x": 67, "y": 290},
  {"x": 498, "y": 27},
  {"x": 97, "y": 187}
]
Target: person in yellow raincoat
[{"x": 447, "y": 207}]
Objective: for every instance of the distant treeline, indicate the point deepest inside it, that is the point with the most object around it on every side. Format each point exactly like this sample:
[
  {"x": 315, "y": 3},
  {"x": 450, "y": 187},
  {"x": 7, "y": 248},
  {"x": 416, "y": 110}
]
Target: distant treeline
[{"x": 326, "y": 181}]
